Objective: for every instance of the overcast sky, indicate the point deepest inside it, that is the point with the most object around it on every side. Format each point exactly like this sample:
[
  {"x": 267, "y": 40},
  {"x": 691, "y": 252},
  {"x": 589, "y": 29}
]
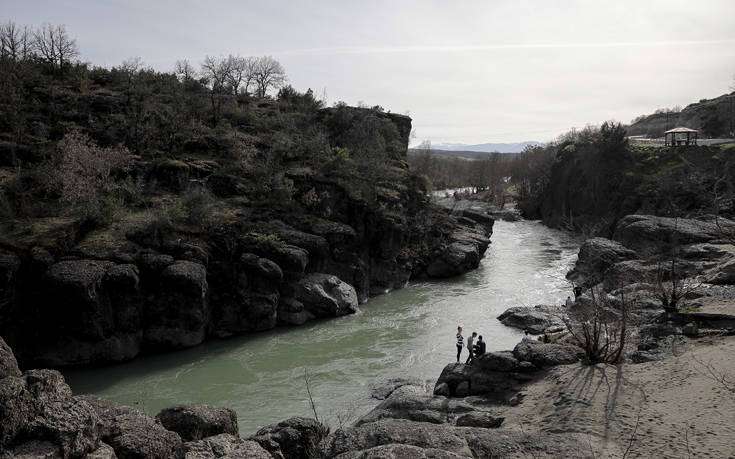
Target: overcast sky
[{"x": 466, "y": 71}]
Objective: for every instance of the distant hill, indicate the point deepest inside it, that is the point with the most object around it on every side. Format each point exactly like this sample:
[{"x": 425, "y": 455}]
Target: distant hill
[
  {"x": 712, "y": 117},
  {"x": 486, "y": 147},
  {"x": 469, "y": 155}
]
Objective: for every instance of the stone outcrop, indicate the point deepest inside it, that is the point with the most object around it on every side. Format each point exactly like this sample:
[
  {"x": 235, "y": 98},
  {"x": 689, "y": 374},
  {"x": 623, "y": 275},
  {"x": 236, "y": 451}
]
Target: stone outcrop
[
  {"x": 537, "y": 319},
  {"x": 648, "y": 234},
  {"x": 461, "y": 255},
  {"x": 421, "y": 439},
  {"x": 132, "y": 433},
  {"x": 499, "y": 374},
  {"x": 293, "y": 438},
  {"x": 223, "y": 445},
  {"x": 596, "y": 256},
  {"x": 41, "y": 417},
  {"x": 197, "y": 420}
]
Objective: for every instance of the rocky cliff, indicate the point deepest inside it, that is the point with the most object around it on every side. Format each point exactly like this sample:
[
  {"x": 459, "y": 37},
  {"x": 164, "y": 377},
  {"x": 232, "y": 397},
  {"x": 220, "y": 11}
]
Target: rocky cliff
[{"x": 73, "y": 297}]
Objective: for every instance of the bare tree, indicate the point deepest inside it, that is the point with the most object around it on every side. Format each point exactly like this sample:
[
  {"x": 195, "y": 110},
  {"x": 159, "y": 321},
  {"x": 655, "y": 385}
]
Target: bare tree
[
  {"x": 240, "y": 73},
  {"x": 184, "y": 70},
  {"x": 16, "y": 43},
  {"x": 601, "y": 326},
  {"x": 268, "y": 74},
  {"x": 54, "y": 45},
  {"x": 216, "y": 73}
]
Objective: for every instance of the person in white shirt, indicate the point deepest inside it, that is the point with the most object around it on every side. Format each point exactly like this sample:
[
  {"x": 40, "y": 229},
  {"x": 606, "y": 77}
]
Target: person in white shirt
[
  {"x": 526, "y": 336},
  {"x": 470, "y": 342},
  {"x": 460, "y": 342},
  {"x": 569, "y": 301}
]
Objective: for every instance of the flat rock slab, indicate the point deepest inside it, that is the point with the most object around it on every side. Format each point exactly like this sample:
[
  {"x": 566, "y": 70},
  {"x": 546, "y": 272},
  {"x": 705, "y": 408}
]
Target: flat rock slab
[{"x": 537, "y": 319}]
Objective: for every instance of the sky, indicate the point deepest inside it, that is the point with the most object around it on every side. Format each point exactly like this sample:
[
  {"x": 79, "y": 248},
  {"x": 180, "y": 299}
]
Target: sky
[{"x": 466, "y": 71}]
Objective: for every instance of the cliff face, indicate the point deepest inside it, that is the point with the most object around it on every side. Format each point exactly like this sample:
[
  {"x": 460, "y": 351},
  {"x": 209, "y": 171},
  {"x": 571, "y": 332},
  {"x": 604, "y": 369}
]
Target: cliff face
[{"x": 72, "y": 297}]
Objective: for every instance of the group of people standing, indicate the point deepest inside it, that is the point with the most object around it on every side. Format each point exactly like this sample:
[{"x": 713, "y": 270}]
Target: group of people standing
[{"x": 474, "y": 348}]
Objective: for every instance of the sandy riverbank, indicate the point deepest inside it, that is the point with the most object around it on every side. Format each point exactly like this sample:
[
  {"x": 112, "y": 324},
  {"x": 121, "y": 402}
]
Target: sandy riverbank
[{"x": 668, "y": 408}]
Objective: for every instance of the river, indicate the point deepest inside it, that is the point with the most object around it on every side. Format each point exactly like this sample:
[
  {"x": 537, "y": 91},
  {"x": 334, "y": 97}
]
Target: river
[{"x": 405, "y": 333}]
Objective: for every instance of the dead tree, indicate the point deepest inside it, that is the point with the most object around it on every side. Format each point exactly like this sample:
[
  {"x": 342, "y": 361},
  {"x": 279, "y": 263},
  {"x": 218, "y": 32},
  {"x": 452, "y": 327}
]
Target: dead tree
[
  {"x": 600, "y": 324},
  {"x": 54, "y": 45}
]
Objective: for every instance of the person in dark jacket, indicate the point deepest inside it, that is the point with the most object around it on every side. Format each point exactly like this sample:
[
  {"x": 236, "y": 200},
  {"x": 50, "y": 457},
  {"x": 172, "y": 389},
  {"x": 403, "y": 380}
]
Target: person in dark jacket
[{"x": 479, "y": 346}]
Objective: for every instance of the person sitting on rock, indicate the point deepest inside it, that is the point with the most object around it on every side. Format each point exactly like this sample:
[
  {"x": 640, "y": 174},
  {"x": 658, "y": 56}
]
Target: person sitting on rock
[
  {"x": 479, "y": 346},
  {"x": 569, "y": 301},
  {"x": 470, "y": 347},
  {"x": 460, "y": 342},
  {"x": 526, "y": 336}
]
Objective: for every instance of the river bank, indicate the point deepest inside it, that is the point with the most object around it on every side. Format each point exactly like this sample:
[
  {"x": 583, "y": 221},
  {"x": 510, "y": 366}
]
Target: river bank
[
  {"x": 406, "y": 333},
  {"x": 536, "y": 400}
]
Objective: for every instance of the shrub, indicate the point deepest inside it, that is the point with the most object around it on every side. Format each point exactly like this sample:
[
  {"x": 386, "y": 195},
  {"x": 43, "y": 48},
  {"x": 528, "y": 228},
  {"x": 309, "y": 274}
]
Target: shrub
[
  {"x": 85, "y": 170},
  {"x": 198, "y": 206}
]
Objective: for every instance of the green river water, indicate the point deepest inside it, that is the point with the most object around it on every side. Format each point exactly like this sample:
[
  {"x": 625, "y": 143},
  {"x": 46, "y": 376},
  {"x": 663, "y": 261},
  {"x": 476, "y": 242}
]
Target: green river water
[{"x": 405, "y": 333}]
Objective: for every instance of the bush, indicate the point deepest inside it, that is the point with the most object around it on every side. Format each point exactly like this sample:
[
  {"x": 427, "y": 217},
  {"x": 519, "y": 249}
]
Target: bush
[
  {"x": 85, "y": 170},
  {"x": 198, "y": 206}
]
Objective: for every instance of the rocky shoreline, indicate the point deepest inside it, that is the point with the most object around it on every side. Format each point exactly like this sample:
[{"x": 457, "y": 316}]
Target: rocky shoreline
[{"x": 505, "y": 404}]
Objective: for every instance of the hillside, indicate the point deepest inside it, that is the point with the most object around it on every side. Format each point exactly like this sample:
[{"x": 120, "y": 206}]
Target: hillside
[
  {"x": 591, "y": 179},
  {"x": 143, "y": 212},
  {"x": 712, "y": 117}
]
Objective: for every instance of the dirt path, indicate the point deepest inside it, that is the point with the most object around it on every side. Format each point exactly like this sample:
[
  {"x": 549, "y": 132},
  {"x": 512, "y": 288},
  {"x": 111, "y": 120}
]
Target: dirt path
[{"x": 667, "y": 409}]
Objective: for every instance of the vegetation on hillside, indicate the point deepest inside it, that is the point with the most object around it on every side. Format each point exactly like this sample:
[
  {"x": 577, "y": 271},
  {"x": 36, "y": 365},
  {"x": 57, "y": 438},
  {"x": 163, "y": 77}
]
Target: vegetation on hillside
[{"x": 85, "y": 147}]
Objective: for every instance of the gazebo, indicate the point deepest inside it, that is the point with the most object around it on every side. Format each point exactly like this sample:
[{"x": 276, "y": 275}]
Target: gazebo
[{"x": 680, "y": 136}]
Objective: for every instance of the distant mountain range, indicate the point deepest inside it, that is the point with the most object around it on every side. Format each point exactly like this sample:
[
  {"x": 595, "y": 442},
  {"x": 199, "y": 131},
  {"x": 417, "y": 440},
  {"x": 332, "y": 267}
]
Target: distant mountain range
[{"x": 485, "y": 147}]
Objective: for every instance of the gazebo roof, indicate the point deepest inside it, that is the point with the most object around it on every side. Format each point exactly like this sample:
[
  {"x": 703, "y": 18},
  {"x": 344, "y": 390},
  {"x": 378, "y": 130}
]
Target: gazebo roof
[{"x": 680, "y": 129}]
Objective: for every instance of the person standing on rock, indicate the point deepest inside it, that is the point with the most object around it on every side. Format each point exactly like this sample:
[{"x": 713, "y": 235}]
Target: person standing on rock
[
  {"x": 479, "y": 346},
  {"x": 569, "y": 301},
  {"x": 526, "y": 336},
  {"x": 470, "y": 340},
  {"x": 460, "y": 342}
]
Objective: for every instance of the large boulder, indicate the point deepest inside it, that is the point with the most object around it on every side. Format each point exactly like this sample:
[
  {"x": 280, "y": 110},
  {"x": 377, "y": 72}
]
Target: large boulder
[
  {"x": 414, "y": 403},
  {"x": 648, "y": 234},
  {"x": 132, "y": 433},
  {"x": 179, "y": 315},
  {"x": 537, "y": 319},
  {"x": 381, "y": 438},
  {"x": 596, "y": 256},
  {"x": 70, "y": 424},
  {"x": 295, "y": 438},
  {"x": 547, "y": 354},
  {"x": 222, "y": 445},
  {"x": 493, "y": 373},
  {"x": 17, "y": 409},
  {"x": 253, "y": 305},
  {"x": 39, "y": 406},
  {"x": 398, "y": 451},
  {"x": 722, "y": 274},
  {"x": 197, "y": 420},
  {"x": 325, "y": 295},
  {"x": 461, "y": 255}
]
